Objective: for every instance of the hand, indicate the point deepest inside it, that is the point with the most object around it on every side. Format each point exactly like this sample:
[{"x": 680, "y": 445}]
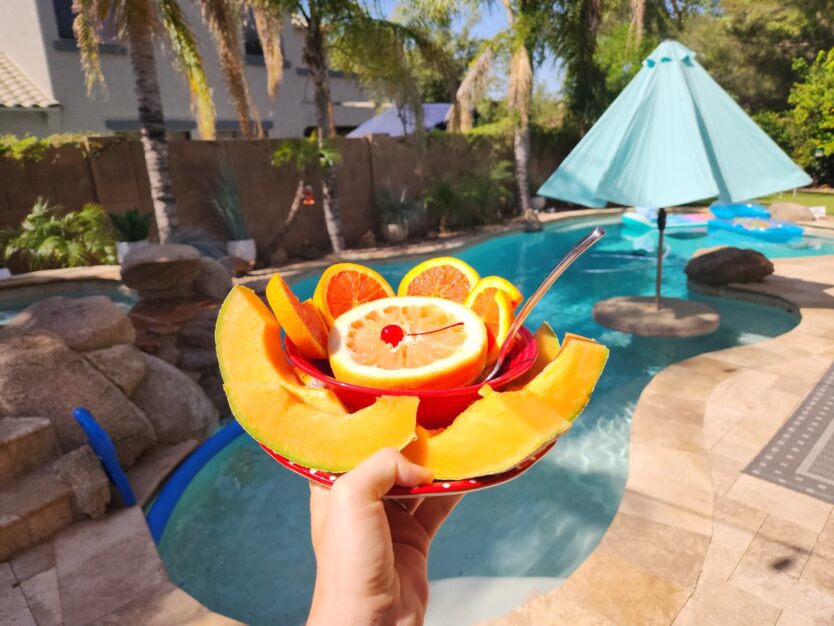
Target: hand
[{"x": 372, "y": 554}]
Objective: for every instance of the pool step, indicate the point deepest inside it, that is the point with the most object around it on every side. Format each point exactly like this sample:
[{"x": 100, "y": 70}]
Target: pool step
[
  {"x": 34, "y": 507},
  {"x": 26, "y": 443}
]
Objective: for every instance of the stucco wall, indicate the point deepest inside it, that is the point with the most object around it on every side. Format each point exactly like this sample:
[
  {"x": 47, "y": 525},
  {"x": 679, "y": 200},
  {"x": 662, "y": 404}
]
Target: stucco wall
[{"x": 29, "y": 37}]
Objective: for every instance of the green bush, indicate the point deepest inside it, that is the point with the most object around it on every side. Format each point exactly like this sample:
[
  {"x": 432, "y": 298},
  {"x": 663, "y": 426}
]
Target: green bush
[
  {"x": 31, "y": 149},
  {"x": 472, "y": 200},
  {"x": 132, "y": 225},
  {"x": 813, "y": 116},
  {"x": 779, "y": 126},
  {"x": 400, "y": 210},
  {"x": 50, "y": 238}
]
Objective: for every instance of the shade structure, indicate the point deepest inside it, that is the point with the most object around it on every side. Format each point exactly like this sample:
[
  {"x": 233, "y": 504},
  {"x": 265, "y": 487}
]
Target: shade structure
[
  {"x": 390, "y": 121},
  {"x": 671, "y": 137}
]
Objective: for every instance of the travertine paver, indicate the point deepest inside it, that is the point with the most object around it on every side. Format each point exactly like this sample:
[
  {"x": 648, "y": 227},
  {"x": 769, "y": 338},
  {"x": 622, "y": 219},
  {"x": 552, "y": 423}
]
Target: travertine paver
[{"x": 763, "y": 554}]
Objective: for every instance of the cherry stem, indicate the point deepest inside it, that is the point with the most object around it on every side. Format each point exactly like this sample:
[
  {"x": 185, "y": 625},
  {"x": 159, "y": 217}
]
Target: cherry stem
[{"x": 436, "y": 330}]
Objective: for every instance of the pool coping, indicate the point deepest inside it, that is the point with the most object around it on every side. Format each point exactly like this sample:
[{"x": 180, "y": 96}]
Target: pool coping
[{"x": 694, "y": 540}]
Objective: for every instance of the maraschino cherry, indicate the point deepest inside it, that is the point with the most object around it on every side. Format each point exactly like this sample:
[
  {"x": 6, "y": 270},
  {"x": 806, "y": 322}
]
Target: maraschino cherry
[{"x": 392, "y": 335}]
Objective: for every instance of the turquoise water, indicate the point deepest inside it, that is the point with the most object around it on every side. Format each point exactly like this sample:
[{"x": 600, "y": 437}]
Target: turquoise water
[
  {"x": 10, "y": 307},
  {"x": 239, "y": 541}
]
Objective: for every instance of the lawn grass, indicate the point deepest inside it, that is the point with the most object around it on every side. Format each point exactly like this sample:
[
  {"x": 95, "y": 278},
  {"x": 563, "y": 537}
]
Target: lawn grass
[{"x": 808, "y": 198}]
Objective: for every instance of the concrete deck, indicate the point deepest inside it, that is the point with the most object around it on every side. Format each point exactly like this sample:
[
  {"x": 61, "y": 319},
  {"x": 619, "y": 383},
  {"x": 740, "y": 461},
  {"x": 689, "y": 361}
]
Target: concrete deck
[{"x": 696, "y": 541}]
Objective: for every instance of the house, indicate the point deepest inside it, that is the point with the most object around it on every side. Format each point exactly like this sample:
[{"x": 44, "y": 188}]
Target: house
[{"x": 42, "y": 88}]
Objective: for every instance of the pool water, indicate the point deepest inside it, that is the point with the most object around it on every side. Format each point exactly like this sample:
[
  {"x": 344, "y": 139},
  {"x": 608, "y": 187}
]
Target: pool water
[{"x": 239, "y": 541}]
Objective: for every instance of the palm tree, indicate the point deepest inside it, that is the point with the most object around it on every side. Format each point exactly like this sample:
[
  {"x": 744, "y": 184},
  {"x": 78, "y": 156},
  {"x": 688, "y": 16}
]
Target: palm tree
[
  {"x": 140, "y": 24},
  {"x": 518, "y": 42}
]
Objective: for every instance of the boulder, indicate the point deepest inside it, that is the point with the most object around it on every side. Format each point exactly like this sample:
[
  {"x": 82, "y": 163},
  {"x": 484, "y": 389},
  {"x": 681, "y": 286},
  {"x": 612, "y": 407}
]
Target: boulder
[
  {"x": 84, "y": 324},
  {"x": 40, "y": 375},
  {"x": 213, "y": 279},
  {"x": 177, "y": 407},
  {"x": 163, "y": 271},
  {"x": 197, "y": 358},
  {"x": 122, "y": 365},
  {"x": 90, "y": 485},
  {"x": 723, "y": 265},
  {"x": 790, "y": 212}
]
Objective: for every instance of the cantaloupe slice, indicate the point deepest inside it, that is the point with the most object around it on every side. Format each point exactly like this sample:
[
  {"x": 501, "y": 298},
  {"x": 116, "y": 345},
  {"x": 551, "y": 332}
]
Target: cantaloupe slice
[
  {"x": 549, "y": 347},
  {"x": 567, "y": 382},
  {"x": 320, "y": 439},
  {"x": 492, "y": 435},
  {"x": 503, "y": 428},
  {"x": 248, "y": 339}
]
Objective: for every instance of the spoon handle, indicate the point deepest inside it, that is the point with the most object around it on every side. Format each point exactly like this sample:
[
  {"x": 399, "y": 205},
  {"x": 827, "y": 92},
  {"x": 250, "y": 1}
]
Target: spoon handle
[{"x": 574, "y": 253}]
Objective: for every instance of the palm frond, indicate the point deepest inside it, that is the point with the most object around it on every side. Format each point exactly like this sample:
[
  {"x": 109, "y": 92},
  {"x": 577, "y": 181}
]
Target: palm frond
[
  {"x": 224, "y": 198},
  {"x": 190, "y": 62},
  {"x": 269, "y": 24},
  {"x": 520, "y": 85},
  {"x": 471, "y": 89},
  {"x": 86, "y": 27},
  {"x": 222, "y": 18}
]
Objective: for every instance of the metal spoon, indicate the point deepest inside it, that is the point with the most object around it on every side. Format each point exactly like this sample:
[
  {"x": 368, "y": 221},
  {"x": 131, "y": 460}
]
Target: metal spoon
[{"x": 567, "y": 260}]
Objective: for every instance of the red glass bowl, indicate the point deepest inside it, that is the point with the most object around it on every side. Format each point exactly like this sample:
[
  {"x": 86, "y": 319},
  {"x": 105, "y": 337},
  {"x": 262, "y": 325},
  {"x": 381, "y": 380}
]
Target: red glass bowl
[{"x": 438, "y": 407}]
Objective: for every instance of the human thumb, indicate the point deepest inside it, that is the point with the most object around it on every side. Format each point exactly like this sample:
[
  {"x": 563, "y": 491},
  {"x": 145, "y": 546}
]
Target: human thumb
[{"x": 374, "y": 477}]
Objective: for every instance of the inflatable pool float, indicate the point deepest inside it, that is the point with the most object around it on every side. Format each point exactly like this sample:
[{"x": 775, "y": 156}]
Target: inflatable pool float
[
  {"x": 729, "y": 211},
  {"x": 766, "y": 230},
  {"x": 647, "y": 218}
]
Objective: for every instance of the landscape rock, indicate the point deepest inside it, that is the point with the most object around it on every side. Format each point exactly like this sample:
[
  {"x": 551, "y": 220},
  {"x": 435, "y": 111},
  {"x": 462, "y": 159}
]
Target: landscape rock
[
  {"x": 90, "y": 485},
  {"x": 40, "y": 375},
  {"x": 162, "y": 271},
  {"x": 235, "y": 265},
  {"x": 197, "y": 336},
  {"x": 790, "y": 212},
  {"x": 197, "y": 358},
  {"x": 88, "y": 323},
  {"x": 213, "y": 279},
  {"x": 123, "y": 365},
  {"x": 723, "y": 265},
  {"x": 177, "y": 407}
]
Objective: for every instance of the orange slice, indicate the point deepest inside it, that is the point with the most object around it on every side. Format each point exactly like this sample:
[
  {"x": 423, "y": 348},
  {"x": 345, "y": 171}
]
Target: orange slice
[
  {"x": 439, "y": 344},
  {"x": 495, "y": 309},
  {"x": 300, "y": 320},
  {"x": 344, "y": 286},
  {"x": 441, "y": 277},
  {"x": 502, "y": 284}
]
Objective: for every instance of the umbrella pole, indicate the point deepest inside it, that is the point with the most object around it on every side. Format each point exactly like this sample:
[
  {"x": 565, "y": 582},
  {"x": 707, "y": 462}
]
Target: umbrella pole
[{"x": 661, "y": 226}]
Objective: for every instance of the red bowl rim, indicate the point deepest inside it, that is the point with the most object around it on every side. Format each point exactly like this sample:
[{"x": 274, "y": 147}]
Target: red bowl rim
[{"x": 529, "y": 350}]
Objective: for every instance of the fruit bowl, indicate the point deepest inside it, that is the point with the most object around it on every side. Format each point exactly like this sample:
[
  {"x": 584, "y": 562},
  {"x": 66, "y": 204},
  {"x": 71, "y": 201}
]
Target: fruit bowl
[{"x": 438, "y": 407}]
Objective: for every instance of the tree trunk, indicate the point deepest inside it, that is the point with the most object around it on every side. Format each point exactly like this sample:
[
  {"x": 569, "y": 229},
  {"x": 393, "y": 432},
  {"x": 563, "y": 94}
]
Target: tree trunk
[
  {"x": 315, "y": 59},
  {"x": 521, "y": 149},
  {"x": 152, "y": 125},
  {"x": 278, "y": 239}
]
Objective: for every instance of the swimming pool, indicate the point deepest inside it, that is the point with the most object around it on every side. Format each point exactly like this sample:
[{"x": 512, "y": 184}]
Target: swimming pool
[{"x": 239, "y": 541}]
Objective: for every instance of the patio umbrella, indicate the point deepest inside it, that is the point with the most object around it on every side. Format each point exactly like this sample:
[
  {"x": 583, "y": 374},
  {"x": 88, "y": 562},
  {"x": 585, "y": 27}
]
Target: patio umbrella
[{"x": 671, "y": 137}]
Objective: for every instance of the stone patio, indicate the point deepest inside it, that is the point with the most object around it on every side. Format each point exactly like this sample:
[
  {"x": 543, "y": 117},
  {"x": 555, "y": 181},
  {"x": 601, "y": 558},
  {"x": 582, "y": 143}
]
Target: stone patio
[{"x": 696, "y": 541}]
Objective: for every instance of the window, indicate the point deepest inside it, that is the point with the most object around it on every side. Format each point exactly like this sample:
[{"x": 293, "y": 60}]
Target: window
[
  {"x": 64, "y": 18},
  {"x": 251, "y": 41}
]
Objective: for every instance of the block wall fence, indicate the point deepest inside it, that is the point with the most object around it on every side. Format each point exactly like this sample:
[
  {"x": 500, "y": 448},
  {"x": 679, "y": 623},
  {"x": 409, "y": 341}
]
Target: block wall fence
[{"x": 113, "y": 174}]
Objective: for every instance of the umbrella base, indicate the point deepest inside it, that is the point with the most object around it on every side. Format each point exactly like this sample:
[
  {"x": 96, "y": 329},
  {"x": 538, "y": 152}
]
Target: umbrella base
[{"x": 637, "y": 315}]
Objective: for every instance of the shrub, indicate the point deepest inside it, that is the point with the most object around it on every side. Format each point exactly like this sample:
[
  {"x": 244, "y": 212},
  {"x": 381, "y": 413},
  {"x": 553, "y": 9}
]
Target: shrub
[
  {"x": 224, "y": 198},
  {"x": 400, "y": 210},
  {"x": 31, "y": 149},
  {"x": 473, "y": 200},
  {"x": 813, "y": 116},
  {"x": 205, "y": 242},
  {"x": 132, "y": 225},
  {"x": 49, "y": 238}
]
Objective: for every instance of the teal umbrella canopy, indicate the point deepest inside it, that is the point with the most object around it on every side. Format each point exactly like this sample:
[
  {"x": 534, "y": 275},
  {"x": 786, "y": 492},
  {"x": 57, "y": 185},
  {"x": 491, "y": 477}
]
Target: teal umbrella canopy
[{"x": 671, "y": 137}]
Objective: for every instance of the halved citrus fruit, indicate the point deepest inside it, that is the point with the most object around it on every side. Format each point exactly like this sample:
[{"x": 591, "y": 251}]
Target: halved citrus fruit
[
  {"x": 344, "y": 286},
  {"x": 441, "y": 277},
  {"x": 300, "y": 320},
  {"x": 495, "y": 309},
  {"x": 502, "y": 284},
  {"x": 408, "y": 343}
]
